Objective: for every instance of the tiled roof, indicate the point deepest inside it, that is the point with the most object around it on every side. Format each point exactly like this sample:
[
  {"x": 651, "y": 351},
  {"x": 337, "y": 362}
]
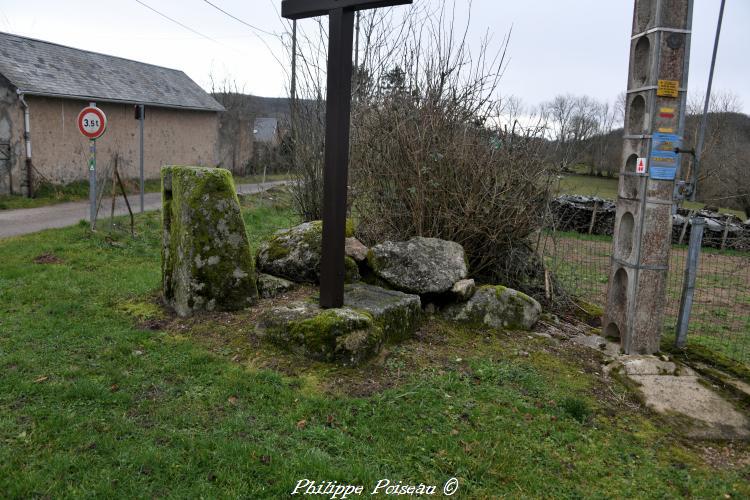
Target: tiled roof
[{"x": 43, "y": 68}]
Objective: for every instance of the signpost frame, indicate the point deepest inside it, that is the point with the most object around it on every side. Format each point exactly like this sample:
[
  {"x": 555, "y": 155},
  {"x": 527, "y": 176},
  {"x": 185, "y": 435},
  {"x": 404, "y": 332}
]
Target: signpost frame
[
  {"x": 92, "y": 123},
  {"x": 338, "y": 114}
]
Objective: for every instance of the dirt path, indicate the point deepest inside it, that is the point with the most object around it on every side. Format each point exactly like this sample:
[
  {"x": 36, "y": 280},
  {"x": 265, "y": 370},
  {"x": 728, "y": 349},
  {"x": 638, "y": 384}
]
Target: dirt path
[{"x": 31, "y": 220}]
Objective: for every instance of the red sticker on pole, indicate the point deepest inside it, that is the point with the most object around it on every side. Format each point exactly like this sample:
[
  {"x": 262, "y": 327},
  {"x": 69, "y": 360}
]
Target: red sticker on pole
[
  {"x": 92, "y": 122},
  {"x": 640, "y": 167}
]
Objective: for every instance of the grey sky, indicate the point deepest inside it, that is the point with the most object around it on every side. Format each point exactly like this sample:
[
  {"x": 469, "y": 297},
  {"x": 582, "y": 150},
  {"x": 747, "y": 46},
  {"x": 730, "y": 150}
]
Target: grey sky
[{"x": 575, "y": 46}]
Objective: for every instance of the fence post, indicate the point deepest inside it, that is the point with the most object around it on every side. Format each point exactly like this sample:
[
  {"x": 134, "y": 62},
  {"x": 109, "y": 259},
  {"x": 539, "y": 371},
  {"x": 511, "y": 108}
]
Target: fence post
[{"x": 688, "y": 284}]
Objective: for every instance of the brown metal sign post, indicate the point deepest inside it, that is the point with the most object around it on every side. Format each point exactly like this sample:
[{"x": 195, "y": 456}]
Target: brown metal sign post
[{"x": 338, "y": 108}]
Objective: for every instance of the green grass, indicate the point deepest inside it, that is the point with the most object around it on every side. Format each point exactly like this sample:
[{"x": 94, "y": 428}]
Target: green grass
[
  {"x": 51, "y": 194},
  {"x": 94, "y": 405},
  {"x": 606, "y": 187}
]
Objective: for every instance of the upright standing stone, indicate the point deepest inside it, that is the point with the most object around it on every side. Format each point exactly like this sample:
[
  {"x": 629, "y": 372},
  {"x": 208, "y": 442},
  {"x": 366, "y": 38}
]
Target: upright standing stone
[
  {"x": 206, "y": 259},
  {"x": 654, "y": 124}
]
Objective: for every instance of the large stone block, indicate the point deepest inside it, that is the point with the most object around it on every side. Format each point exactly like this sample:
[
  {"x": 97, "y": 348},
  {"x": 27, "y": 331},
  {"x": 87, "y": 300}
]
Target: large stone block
[
  {"x": 397, "y": 313},
  {"x": 497, "y": 307},
  {"x": 371, "y": 316},
  {"x": 206, "y": 258},
  {"x": 420, "y": 265},
  {"x": 295, "y": 254}
]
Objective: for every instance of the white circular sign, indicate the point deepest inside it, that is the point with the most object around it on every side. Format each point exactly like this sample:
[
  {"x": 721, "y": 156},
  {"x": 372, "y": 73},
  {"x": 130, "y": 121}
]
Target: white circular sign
[{"x": 92, "y": 122}]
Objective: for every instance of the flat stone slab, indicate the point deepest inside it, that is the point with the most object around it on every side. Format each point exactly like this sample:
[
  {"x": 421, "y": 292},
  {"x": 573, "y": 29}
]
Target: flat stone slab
[
  {"x": 668, "y": 387},
  {"x": 715, "y": 417},
  {"x": 647, "y": 365},
  {"x": 397, "y": 313},
  {"x": 371, "y": 316},
  {"x": 611, "y": 349}
]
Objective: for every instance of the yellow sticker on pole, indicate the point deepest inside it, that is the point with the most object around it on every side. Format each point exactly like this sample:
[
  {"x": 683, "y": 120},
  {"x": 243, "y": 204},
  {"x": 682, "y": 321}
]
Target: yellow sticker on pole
[{"x": 668, "y": 88}]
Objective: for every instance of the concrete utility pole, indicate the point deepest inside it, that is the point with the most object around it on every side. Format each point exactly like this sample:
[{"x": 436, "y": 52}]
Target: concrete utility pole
[{"x": 654, "y": 126}]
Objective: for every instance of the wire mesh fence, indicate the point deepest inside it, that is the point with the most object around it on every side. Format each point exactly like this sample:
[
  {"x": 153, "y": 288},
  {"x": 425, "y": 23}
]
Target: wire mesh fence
[{"x": 720, "y": 317}]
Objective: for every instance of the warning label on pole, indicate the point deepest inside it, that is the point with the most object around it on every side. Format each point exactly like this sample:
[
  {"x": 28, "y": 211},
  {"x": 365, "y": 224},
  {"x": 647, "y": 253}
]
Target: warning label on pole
[
  {"x": 641, "y": 165},
  {"x": 668, "y": 88}
]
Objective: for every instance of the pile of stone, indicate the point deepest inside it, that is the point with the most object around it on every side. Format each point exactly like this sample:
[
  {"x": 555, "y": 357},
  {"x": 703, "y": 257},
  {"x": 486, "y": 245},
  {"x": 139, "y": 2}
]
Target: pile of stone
[
  {"x": 390, "y": 286},
  {"x": 207, "y": 265},
  {"x": 582, "y": 214},
  {"x": 724, "y": 231},
  {"x": 593, "y": 215}
]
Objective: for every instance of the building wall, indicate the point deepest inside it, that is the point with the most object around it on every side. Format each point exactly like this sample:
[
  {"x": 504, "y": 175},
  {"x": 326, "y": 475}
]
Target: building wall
[
  {"x": 11, "y": 133},
  {"x": 171, "y": 137}
]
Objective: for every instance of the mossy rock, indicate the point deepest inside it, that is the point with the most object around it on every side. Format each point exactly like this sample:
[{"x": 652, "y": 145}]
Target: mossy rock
[
  {"x": 295, "y": 254},
  {"x": 420, "y": 265},
  {"x": 498, "y": 307},
  {"x": 206, "y": 259},
  {"x": 397, "y": 314},
  {"x": 272, "y": 286},
  {"x": 341, "y": 335},
  {"x": 349, "y": 335},
  {"x": 588, "y": 312}
]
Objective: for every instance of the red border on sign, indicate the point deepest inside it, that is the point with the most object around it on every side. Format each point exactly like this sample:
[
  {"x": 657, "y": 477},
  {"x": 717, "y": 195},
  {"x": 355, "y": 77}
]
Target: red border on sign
[{"x": 102, "y": 120}]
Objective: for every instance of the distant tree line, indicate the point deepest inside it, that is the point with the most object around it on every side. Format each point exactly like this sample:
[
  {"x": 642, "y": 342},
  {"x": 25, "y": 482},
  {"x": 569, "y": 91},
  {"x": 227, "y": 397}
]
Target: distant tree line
[{"x": 585, "y": 135}]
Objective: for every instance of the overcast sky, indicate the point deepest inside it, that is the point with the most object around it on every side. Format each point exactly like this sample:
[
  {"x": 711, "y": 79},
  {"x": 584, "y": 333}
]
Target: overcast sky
[{"x": 571, "y": 46}]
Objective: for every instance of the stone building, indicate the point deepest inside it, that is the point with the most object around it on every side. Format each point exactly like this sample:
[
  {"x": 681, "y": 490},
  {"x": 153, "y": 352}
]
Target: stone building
[{"x": 43, "y": 87}]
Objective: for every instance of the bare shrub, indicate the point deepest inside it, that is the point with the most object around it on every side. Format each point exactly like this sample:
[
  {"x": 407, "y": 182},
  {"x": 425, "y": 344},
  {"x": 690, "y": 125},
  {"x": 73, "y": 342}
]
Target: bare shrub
[
  {"x": 432, "y": 156},
  {"x": 433, "y": 152}
]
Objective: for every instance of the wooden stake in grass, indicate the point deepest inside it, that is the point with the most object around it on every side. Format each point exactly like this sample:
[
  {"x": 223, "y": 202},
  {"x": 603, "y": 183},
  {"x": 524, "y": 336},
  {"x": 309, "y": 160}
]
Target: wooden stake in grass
[{"x": 116, "y": 177}]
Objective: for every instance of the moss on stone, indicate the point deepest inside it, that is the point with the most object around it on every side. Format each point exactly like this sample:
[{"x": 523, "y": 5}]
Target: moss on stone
[
  {"x": 348, "y": 335},
  {"x": 276, "y": 250},
  {"x": 499, "y": 307},
  {"x": 206, "y": 258},
  {"x": 314, "y": 237},
  {"x": 319, "y": 333},
  {"x": 295, "y": 254},
  {"x": 316, "y": 333},
  {"x": 351, "y": 270},
  {"x": 372, "y": 261},
  {"x": 396, "y": 313},
  {"x": 516, "y": 303},
  {"x": 587, "y": 311}
]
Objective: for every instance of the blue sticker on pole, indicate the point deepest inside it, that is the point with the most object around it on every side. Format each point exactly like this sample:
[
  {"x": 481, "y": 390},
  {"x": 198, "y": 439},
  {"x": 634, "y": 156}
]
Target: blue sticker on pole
[{"x": 664, "y": 158}]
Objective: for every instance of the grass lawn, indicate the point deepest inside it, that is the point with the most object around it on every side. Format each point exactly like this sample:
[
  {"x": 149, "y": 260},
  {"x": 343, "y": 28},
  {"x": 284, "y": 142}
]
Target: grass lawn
[
  {"x": 51, "y": 194},
  {"x": 104, "y": 394},
  {"x": 606, "y": 187}
]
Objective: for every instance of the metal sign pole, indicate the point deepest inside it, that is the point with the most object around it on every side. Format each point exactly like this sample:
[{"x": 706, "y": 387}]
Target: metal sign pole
[
  {"x": 92, "y": 123},
  {"x": 92, "y": 183},
  {"x": 688, "y": 284},
  {"x": 704, "y": 118},
  {"x": 142, "y": 113}
]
